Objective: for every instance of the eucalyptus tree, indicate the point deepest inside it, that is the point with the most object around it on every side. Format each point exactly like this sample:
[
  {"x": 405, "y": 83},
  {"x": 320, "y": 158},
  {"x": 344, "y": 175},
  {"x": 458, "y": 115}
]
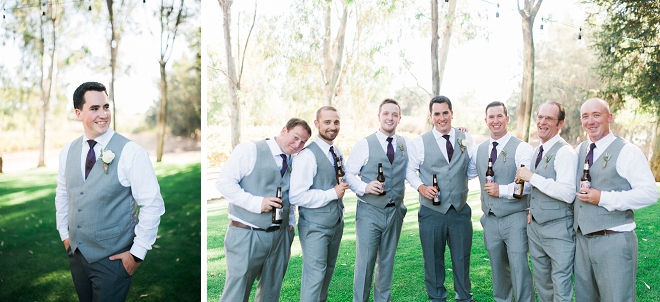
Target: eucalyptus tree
[{"x": 528, "y": 12}]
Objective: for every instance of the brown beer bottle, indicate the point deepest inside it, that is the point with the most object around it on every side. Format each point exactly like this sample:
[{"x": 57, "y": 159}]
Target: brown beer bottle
[
  {"x": 490, "y": 174},
  {"x": 518, "y": 187},
  {"x": 381, "y": 178},
  {"x": 436, "y": 199},
  {"x": 585, "y": 181},
  {"x": 340, "y": 172},
  {"x": 277, "y": 212}
]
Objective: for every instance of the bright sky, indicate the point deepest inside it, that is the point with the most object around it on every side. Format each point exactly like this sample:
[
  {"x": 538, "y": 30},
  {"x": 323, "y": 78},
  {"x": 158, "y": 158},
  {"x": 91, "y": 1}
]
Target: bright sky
[
  {"x": 136, "y": 90},
  {"x": 491, "y": 68}
]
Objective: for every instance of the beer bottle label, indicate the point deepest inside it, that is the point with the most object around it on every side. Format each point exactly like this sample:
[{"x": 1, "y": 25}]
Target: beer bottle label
[
  {"x": 585, "y": 184},
  {"x": 490, "y": 179}
]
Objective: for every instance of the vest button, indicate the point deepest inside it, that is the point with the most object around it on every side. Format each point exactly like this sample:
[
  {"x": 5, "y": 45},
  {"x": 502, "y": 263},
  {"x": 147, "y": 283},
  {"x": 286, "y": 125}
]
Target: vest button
[
  {"x": 81, "y": 193},
  {"x": 79, "y": 210},
  {"x": 79, "y": 226}
]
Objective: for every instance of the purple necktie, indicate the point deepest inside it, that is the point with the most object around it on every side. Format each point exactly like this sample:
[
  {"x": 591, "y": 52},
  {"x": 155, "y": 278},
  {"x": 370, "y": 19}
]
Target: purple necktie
[
  {"x": 285, "y": 164},
  {"x": 493, "y": 152},
  {"x": 334, "y": 156},
  {"x": 91, "y": 157},
  {"x": 538, "y": 157},
  {"x": 590, "y": 155},
  {"x": 390, "y": 150},
  {"x": 450, "y": 149}
]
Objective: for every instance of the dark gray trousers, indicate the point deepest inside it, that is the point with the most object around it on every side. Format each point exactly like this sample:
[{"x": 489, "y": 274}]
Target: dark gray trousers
[{"x": 103, "y": 280}]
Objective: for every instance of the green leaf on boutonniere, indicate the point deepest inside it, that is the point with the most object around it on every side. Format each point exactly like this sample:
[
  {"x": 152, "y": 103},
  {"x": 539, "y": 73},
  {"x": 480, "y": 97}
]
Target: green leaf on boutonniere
[
  {"x": 548, "y": 157},
  {"x": 503, "y": 154},
  {"x": 606, "y": 157}
]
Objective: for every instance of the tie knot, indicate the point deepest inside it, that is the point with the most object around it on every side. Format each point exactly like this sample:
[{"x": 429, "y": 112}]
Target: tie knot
[
  {"x": 283, "y": 156},
  {"x": 592, "y": 146},
  {"x": 495, "y": 144},
  {"x": 541, "y": 149},
  {"x": 91, "y": 143},
  {"x": 389, "y": 139},
  {"x": 446, "y": 136}
]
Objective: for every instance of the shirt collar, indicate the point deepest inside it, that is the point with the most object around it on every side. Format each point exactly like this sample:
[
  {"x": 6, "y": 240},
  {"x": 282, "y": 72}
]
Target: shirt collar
[
  {"x": 550, "y": 143},
  {"x": 101, "y": 140},
  {"x": 438, "y": 135},
  {"x": 274, "y": 147},
  {"x": 381, "y": 136},
  {"x": 503, "y": 140},
  {"x": 325, "y": 147},
  {"x": 605, "y": 141}
]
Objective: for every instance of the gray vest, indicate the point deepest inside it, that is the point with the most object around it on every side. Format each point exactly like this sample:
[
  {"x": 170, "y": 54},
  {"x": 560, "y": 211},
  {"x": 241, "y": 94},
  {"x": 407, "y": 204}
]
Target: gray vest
[
  {"x": 591, "y": 218},
  {"x": 543, "y": 207},
  {"x": 505, "y": 172},
  {"x": 102, "y": 212},
  {"x": 326, "y": 178},
  {"x": 395, "y": 173},
  {"x": 263, "y": 181},
  {"x": 452, "y": 177}
]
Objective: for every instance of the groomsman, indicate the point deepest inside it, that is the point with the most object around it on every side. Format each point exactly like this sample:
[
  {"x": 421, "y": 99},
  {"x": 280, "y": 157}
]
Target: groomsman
[
  {"x": 378, "y": 218},
  {"x": 255, "y": 247},
  {"x": 505, "y": 218},
  {"x": 318, "y": 193},
  {"x": 621, "y": 181},
  {"x": 550, "y": 230},
  {"x": 449, "y": 155}
]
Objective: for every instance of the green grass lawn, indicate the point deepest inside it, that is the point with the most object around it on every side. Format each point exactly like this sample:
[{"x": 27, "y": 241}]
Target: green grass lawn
[
  {"x": 34, "y": 265},
  {"x": 408, "y": 284}
]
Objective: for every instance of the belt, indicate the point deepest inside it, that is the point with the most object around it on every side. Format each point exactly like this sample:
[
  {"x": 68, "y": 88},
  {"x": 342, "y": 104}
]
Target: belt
[
  {"x": 243, "y": 226},
  {"x": 389, "y": 205},
  {"x": 601, "y": 233}
]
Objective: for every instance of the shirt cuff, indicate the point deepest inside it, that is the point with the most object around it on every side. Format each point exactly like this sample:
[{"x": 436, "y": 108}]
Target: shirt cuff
[{"x": 138, "y": 251}]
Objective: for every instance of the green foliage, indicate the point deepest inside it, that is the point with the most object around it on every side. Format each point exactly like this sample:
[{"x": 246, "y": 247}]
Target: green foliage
[
  {"x": 632, "y": 29},
  {"x": 34, "y": 262}
]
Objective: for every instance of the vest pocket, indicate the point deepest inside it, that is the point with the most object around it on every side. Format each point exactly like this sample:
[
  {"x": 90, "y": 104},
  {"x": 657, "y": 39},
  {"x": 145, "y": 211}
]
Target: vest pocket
[{"x": 108, "y": 233}]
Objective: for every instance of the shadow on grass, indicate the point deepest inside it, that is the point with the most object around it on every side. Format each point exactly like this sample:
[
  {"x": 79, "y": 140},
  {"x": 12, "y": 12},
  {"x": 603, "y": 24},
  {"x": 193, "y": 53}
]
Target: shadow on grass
[{"x": 33, "y": 260}]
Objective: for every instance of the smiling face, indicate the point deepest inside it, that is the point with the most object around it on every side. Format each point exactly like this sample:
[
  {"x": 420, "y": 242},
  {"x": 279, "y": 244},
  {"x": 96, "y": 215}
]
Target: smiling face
[
  {"x": 496, "y": 120},
  {"x": 389, "y": 117},
  {"x": 328, "y": 125},
  {"x": 95, "y": 114},
  {"x": 292, "y": 141},
  {"x": 596, "y": 118},
  {"x": 441, "y": 116},
  {"x": 547, "y": 122}
]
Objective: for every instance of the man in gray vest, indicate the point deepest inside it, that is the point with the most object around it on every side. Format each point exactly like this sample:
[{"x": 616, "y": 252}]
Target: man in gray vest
[
  {"x": 378, "y": 218},
  {"x": 255, "y": 247},
  {"x": 504, "y": 218},
  {"x": 550, "y": 230},
  {"x": 318, "y": 192},
  {"x": 103, "y": 174},
  {"x": 621, "y": 181},
  {"x": 447, "y": 154}
]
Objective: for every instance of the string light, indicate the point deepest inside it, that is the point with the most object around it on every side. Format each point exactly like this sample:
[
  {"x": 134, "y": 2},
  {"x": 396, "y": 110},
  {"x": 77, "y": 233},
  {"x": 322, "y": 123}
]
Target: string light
[
  {"x": 612, "y": 48},
  {"x": 580, "y": 34},
  {"x": 497, "y": 13}
]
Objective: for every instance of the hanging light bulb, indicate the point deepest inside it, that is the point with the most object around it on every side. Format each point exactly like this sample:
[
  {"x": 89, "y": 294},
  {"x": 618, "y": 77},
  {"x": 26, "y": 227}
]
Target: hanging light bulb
[
  {"x": 580, "y": 34},
  {"x": 497, "y": 14},
  {"x": 542, "y": 23},
  {"x": 90, "y": 8},
  {"x": 612, "y": 48},
  {"x": 447, "y": 1}
]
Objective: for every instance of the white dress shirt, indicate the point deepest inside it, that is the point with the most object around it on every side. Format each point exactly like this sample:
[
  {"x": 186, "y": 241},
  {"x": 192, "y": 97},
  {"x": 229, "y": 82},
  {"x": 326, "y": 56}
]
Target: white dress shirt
[
  {"x": 134, "y": 170},
  {"x": 360, "y": 156},
  {"x": 416, "y": 158},
  {"x": 240, "y": 164},
  {"x": 565, "y": 165},
  {"x": 523, "y": 156},
  {"x": 633, "y": 166},
  {"x": 302, "y": 178}
]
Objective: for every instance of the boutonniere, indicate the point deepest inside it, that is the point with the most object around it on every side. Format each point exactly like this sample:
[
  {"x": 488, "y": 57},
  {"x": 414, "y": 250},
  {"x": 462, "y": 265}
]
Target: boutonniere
[
  {"x": 548, "y": 157},
  {"x": 503, "y": 154},
  {"x": 106, "y": 158},
  {"x": 462, "y": 143},
  {"x": 288, "y": 169},
  {"x": 606, "y": 157},
  {"x": 401, "y": 148}
]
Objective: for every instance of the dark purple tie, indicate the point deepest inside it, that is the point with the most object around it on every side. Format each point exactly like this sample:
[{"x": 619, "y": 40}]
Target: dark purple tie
[
  {"x": 334, "y": 156},
  {"x": 590, "y": 155},
  {"x": 538, "y": 157},
  {"x": 285, "y": 164},
  {"x": 493, "y": 152},
  {"x": 91, "y": 157},
  {"x": 450, "y": 149},
  {"x": 390, "y": 150}
]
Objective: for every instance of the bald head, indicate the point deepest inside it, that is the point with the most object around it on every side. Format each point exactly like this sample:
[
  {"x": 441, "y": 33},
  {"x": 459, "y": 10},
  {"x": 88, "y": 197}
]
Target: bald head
[{"x": 596, "y": 118}]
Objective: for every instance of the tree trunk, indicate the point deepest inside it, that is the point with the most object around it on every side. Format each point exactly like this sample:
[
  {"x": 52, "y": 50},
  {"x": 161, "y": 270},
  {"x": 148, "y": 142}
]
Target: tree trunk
[
  {"x": 435, "y": 72},
  {"x": 446, "y": 39},
  {"x": 524, "y": 112},
  {"x": 655, "y": 152},
  {"x": 333, "y": 54},
  {"x": 162, "y": 113},
  {"x": 46, "y": 77},
  {"x": 232, "y": 80},
  {"x": 114, "y": 45}
]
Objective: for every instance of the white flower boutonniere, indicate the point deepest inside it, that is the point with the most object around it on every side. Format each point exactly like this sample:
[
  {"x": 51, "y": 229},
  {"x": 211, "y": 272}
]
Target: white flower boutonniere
[
  {"x": 606, "y": 157},
  {"x": 401, "y": 148},
  {"x": 462, "y": 143},
  {"x": 503, "y": 154},
  {"x": 106, "y": 158},
  {"x": 548, "y": 157}
]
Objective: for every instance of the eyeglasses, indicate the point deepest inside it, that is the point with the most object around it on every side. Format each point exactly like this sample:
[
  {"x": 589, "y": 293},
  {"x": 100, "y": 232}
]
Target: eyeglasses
[{"x": 540, "y": 118}]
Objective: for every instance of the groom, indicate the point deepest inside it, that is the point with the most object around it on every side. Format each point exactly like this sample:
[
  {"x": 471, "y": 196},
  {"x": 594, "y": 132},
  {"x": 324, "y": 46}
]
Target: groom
[{"x": 102, "y": 179}]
